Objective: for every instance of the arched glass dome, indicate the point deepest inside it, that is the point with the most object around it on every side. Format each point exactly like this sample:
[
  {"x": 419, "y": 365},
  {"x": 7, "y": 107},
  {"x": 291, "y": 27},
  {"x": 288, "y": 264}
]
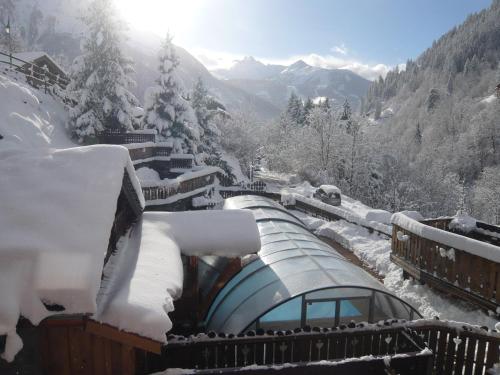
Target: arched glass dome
[{"x": 297, "y": 280}]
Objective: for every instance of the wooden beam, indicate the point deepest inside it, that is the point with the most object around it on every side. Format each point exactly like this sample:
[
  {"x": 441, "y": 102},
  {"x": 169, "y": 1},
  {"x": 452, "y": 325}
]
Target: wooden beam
[{"x": 126, "y": 338}]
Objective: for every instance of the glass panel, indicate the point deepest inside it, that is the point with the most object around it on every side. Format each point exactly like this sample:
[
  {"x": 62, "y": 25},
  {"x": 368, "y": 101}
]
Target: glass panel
[
  {"x": 354, "y": 309},
  {"x": 320, "y": 314},
  {"x": 339, "y": 293},
  {"x": 387, "y": 307},
  {"x": 285, "y": 316}
]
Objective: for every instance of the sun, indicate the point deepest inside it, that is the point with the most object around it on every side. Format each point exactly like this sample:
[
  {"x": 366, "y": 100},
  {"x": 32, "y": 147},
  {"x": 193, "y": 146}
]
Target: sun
[{"x": 159, "y": 16}]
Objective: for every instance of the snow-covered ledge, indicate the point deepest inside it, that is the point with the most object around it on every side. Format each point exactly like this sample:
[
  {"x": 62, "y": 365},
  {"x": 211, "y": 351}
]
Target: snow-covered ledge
[
  {"x": 145, "y": 276},
  {"x": 456, "y": 241}
]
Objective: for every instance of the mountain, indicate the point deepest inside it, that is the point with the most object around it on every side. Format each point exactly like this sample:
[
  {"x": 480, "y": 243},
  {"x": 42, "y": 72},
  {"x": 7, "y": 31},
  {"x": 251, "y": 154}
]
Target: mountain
[
  {"x": 441, "y": 137},
  {"x": 56, "y": 28},
  {"x": 275, "y": 83},
  {"x": 249, "y": 68}
]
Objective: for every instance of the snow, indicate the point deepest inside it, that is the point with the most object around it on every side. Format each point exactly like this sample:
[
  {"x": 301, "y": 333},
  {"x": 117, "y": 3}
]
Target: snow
[
  {"x": 463, "y": 223},
  {"x": 228, "y": 233},
  {"x": 53, "y": 250},
  {"x": 415, "y": 215},
  {"x": 29, "y": 118},
  {"x": 175, "y": 182},
  {"x": 142, "y": 279},
  {"x": 305, "y": 189},
  {"x": 147, "y": 176},
  {"x": 330, "y": 189},
  {"x": 374, "y": 250},
  {"x": 145, "y": 275},
  {"x": 348, "y": 212},
  {"x": 489, "y": 99},
  {"x": 381, "y": 216},
  {"x": 234, "y": 164},
  {"x": 29, "y": 57},
  {"x": 452, "y": 240},
  {"x": 212, "y": 198}
]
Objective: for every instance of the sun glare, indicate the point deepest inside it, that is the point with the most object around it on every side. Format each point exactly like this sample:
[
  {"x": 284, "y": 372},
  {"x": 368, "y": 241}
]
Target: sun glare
[{"x": 159, "y": 16}]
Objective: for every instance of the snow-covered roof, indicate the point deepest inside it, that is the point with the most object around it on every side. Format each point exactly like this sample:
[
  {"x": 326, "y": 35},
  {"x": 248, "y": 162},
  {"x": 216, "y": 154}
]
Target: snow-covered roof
[
  {"x": 330, "y": 189},
  {"x": 34, "y": 55},
  {"x": 145, "y": 275},
  {"x": 456, "y": 241},
  {"x": 57, "y": 209}
]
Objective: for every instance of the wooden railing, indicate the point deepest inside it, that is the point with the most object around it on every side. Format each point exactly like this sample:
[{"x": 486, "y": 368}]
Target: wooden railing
[
  {"x": 118, "y": 137},
  {"x": 455, "y": 349},
  {"x": 458, "y": 272},
  {"x": 459, "y": 350},
  {"x": 163, "y": 192},
  {"x": 301, "y": 346},
  {"x": 35, "y": 75}
]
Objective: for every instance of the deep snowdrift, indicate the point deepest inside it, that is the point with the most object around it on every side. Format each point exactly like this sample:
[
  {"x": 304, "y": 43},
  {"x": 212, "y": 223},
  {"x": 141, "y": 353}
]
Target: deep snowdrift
[
  {"x": 29, "y": 118},
  {"x": 56, "y": 214},
  {"x": 145, "y": 275}
]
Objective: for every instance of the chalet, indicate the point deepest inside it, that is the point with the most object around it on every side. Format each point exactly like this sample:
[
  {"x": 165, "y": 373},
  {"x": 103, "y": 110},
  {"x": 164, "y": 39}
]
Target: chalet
[{"x": 40, "y": 67}]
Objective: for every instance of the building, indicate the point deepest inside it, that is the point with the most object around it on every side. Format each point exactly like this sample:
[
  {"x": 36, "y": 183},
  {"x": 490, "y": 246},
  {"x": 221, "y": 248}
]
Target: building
[{"x": 40, "y": 69}]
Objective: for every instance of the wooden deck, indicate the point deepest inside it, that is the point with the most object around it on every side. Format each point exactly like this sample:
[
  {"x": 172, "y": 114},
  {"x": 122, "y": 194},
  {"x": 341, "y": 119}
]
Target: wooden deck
[{"x": 464, "y": 275}]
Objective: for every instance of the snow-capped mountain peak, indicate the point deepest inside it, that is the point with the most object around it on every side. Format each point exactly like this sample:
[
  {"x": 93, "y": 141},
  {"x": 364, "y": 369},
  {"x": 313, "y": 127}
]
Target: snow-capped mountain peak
[{"x": 298, "y": 65}]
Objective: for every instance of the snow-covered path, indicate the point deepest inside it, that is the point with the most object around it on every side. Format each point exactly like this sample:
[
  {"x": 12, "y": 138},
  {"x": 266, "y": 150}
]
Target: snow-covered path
[{"x": 375, "y": 250}]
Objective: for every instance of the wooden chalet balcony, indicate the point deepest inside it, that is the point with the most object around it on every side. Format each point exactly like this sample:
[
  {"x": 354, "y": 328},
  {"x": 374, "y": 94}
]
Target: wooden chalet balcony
[
  {"x": 186, "y": 185},
  {"x": 119, "y": 137},
  {"x": 449, "y": 269}
]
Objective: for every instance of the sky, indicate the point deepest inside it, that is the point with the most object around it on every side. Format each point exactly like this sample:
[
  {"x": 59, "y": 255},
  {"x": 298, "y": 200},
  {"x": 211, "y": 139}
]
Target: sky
[{"x": 366, "y": 36}]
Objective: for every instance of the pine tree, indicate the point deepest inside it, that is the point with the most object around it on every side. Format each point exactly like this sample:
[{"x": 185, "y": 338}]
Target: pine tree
[
  {"x": 165, "y": 108},
  {"x": 346, "y": 111},
  {"x": 7, "y": 9},
  {"x": 308, "y": 106},
  {"x": 294, "y": 109},
  {"x": 36, "y": 18},
  {"x": 325, "y": 105},
  {"x": 418, "y": 134},
  {"x": 208, "y": 110},
  {"x": 100, "y": 78}
]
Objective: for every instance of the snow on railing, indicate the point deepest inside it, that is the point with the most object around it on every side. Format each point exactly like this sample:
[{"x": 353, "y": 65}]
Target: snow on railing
[
  {"x": 464, "y": 267},
  {"x": 325, "y": 210},
  {"x": 184, "y": 186},
  {"x": 453, "y": 240}
]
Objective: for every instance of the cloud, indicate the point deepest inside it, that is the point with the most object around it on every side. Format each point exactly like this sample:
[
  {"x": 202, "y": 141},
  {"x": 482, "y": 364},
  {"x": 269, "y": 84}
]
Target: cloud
[
  {"x": 366, "y": 70},
  {"x": 342, "y": 49},
  {"x": 214, "y": 60}
]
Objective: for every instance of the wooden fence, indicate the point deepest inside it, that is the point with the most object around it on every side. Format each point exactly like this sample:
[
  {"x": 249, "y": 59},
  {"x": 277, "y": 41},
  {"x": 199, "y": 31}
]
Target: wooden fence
[
  {"x": 164, "y": 192},
  {"x": 77, "y": 345},
  {"x": 452, "y": 271},
  {"x": 118, "y": 137},
  {"x": 35, "y": 75},
  {"x": 456, "y": 349}
]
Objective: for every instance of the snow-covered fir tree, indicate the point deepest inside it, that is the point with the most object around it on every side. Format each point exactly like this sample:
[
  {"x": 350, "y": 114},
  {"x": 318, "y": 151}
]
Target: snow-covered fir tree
[
  {"x": 166, "y": 110},
  {"x": 209, "y": 112},
  {"x": 295, "y": 109},
  {"x": 100, "y": 77}
]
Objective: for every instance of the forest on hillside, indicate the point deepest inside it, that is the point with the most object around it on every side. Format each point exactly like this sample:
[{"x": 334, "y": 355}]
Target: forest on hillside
[{"x": 427, "y": 138}]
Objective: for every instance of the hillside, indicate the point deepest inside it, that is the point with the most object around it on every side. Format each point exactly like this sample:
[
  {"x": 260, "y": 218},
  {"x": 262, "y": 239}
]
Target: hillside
[
  {"x": 275, "y": 83},
  {"x": 439, "y": 130},
  {"x": 54, "y": 26}
]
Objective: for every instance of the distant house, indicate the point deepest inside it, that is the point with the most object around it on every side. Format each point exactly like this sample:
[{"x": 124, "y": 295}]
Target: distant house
[{"x": 36, "y": 65}]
